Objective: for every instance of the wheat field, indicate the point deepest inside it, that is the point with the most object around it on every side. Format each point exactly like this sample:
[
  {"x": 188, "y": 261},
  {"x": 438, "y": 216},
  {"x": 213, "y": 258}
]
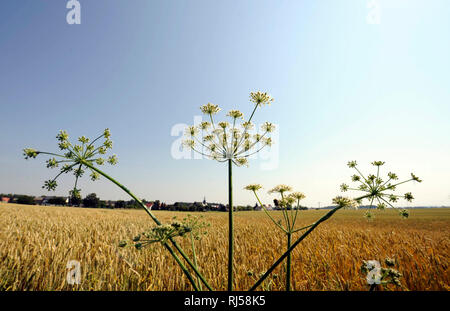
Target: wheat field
[{"x": 36, "y": 243}]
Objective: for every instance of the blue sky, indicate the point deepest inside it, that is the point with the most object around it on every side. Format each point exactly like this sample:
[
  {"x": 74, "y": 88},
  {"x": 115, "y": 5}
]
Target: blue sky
[{"x": 344, "y": 90}]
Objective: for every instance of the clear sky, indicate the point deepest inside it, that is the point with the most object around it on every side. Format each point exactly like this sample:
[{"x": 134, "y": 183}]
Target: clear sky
[{"x": 344, "y": 89}]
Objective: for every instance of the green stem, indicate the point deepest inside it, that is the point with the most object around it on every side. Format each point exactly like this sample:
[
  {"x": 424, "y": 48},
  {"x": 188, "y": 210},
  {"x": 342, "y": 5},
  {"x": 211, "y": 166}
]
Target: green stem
[
  {"x": 232, "y": 136},
  {"x": 182, "y": 266},
  {"x": 195, "y": 260},
  {"x": 367, "y": 182},
  {"x": 288, "y": 264},
  {"x": 250, "y": 154},
  {"x": 92, "y": 143},
  {"x": 175, "y": 244},
  {"x": 296, "y": 212},
  {"x": 230, "y": 226},
  {"x": 245, "y": 131},
  {"x": 217, "y": 136},
  {"x": 386, "y": 182},
  {"x": 286, "y": 217},
  {"x": 251, "y": 146},
  {"x": 301, "y": 238},
  {"x": 62, "y": 172},
  {"x": 267, "y": 213},
  {"x": 400, "y": 183},
  {"x": 49, "y": 153},
  {"x": 292, "y": 219},
  {"x": 387, "y": 202},
  {"x": 302, "y": 228}
]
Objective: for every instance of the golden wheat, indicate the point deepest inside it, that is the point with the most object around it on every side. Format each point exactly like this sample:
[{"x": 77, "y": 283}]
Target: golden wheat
[{"x": 37, "y": 242}]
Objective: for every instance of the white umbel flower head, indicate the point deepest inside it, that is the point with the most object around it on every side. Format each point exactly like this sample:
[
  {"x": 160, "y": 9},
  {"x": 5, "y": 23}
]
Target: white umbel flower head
[
  {"x": 224, "y": 141},
  {"x": 235, "y": 114},
  {"x": 260, "y": 98},
  {"x": 280, "y": 189}
]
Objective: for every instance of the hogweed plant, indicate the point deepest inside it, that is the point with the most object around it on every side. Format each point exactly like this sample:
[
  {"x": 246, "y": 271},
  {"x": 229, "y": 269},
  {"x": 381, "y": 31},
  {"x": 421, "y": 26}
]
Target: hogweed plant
[
  {"x": 230, "y": 143},
  {"x": 287, "y": 203},
  {"x": 379, "y": 190},
  {"x": 85, "y": 155},
  {"x": 373, "y": 188}
]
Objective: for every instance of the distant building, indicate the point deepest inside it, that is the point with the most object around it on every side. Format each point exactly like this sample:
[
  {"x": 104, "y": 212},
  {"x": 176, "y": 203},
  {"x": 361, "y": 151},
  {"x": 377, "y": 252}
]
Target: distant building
[
  {"x": 39, "y": 200},
  {"x": 149, "y": 205},
  {"x": 5, "y": 199},
  {"x": 110, "y": 204},
  {"x": 213, "y": 206},
  {"x": 50, "y": 200}
]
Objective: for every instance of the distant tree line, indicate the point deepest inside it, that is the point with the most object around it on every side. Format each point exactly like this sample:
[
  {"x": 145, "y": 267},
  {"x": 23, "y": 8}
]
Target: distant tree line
[
  {"x": 93, "y": 201},
  {"x": 19, "y": 198}
]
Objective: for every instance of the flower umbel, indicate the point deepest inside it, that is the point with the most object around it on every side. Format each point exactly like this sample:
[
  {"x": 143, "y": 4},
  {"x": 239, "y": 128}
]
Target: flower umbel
[
  {"x": 253, "y": 187},
  {"x": 345, "y": 202},
  {"x": 260, "y": 98},
  {"x": 75, "y": 158},
  {"x": 287, "y": 203},
  {"x": 159, "y": 234},
  {"x": 280, "y": 189},
  {"x": 377, "y": 190},
  {"x": 162, "y": 233},
  {"x": 225, "y": 141}
]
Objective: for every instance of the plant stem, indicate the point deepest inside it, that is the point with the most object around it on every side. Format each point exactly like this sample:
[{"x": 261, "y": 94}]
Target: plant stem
[
  {"x": 267, "y": 213},
  {"x": 245, "y": 131},
  {"x": 155, "y": 220},
  {"x": 195, "y": 259},
  {"x": 303, "y": 236},
  {"x": 283, "y": 210},
  {"x": 230, "y": 226},
  {"x": 288, "y": 264}
]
